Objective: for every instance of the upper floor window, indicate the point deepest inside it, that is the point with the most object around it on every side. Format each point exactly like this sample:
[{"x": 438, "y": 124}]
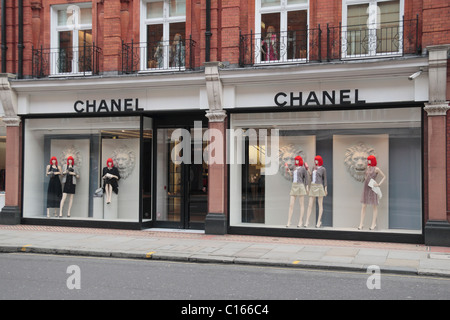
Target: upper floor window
[
  {"x": 163, "y": 34},
  {"x": 282, "y": 30},
  {"x": 372, "y": 28},
  {"x": 71, "y": 39}
]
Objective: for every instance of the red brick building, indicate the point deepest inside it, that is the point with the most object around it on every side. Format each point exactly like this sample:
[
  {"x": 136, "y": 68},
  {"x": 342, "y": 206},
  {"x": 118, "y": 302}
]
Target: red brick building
[{"x": 142, "y": 81}]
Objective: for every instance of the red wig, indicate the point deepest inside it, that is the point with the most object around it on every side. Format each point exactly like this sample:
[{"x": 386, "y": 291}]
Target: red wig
[
  {"x": 298, "y": 161},
  {"x": 70, "y": 158},
  {"x": 110, "y": 161},
  {"x": 372, "y": 161},
  {"x": 319, "y": 160},
  {"x": 51, "y": 160}
]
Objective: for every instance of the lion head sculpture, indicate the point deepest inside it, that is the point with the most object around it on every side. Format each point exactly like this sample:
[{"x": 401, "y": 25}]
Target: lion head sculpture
[
  {"x": 124, "y": 158},
  {"x": 356, "y": 160},
  {"x": 73, "y": 151},
  {"x": 286, "y": 155}
]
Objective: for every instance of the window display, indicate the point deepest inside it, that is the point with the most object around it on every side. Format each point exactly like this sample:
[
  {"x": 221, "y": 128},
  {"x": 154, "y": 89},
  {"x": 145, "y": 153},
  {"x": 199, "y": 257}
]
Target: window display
[
  {"x": 95, "y": 154},
  {"x": 356, "y": 176}
]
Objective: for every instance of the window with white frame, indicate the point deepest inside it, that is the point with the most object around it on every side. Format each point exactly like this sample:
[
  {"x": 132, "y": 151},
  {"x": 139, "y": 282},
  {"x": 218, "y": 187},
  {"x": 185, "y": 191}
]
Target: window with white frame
[
  {"x": 281, "y": 30},
  {"x": 163, "y": 34},
  {"x": 71, "y": 38},
  {"x": 372, "y": 28}
]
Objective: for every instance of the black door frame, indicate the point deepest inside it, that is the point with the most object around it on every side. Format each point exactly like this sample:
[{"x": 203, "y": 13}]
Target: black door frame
[{"x": 182, "y": 121}]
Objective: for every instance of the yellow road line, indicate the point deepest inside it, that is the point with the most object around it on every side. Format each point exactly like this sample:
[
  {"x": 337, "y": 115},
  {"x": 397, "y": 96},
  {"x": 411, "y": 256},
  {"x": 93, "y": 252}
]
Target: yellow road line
[{"x": 24, "y": 248}]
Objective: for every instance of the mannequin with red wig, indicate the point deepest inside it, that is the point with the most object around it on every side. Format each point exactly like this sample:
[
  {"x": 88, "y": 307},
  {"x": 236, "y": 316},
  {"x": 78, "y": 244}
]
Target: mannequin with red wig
[
  {"x": 299, "y": 187},
  {"x": 110, "y": 177},
  {"x": 54, "y": 191},
  {"x": 318, "y": 189},
  {"x": 70, "y": 175},
  {"x": 369, "y": 196}
]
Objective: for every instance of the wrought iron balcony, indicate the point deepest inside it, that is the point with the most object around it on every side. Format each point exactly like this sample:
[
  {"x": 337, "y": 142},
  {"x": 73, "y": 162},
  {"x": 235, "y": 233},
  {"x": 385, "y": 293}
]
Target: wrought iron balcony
[
  {"x": 280, "y": 47},
  {"x": 396, "y": 38},
  {"x": 388, "y": 39},
  {"x": 174, "y": 55},
  {"x": 68, "y": 61}
]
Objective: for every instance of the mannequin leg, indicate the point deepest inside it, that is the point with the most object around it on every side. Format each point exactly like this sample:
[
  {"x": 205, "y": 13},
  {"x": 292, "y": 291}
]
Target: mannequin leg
[
  {"x": 374, "y": 219},
  {"x": 308, "y": 214},
  {"x": 319, "y": 219},
  {"x": 70, "y": 205},
  {"x": 48, "y": 213},
  {"x": 291, "y": 210},
  {"x": 363, "y": 215},
  {"x": 108, "y": 190},
  {"x": 64, "y": 196},
  {"x": 301, "y": 201}
]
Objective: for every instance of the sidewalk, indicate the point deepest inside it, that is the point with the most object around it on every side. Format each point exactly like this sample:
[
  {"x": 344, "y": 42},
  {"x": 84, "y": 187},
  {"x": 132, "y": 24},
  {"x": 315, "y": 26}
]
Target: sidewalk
[{"x": 187, "y": 246}]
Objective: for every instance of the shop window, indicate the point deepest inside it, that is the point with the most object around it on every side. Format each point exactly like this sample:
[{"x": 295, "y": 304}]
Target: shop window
[
  {"x": 263, "y": 164},
  {"x": 282, "y": 31},
  {"x": 72, "y": 42},
  {"x": 372, "y": 28},
  {"x": 163, "y": 36},
  {"x": 81, "y": 190}
]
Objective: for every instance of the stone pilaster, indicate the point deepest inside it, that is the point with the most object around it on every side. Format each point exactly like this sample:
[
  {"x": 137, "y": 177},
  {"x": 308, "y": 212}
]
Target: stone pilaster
[
  {"x": 216, "y": 219},
  {"x": 437, "y": 227}
]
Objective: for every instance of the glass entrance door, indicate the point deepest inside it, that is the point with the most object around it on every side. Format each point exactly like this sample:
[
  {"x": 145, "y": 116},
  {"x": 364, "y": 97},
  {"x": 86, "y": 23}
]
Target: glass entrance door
[{"x": 181, "y": 180}]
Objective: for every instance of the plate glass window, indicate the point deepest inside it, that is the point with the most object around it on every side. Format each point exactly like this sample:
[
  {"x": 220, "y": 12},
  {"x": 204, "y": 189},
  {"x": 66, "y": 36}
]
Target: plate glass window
[
  {"x": 72, "y": 42},
  {"x": 164, "y": 34},
  {"x": 282, "y": 34}
]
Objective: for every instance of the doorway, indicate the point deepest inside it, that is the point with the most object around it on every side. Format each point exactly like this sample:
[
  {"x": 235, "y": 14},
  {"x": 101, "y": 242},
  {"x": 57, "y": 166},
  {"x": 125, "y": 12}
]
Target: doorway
[{"x": 181, "y": 178}]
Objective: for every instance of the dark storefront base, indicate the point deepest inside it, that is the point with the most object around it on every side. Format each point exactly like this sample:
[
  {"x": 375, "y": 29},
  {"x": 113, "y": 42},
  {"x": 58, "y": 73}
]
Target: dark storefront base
[
  {"x": 437, "y": 233},
  {"x": 10, "y": 215},
  {"x": 314, "y": 233},
  {"x": 55, "y": 222}
]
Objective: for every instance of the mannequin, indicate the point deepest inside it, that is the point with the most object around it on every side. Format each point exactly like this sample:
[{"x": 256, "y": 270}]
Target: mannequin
[
  {"x": 269, "y": 45},
  {"x": 318, "y": 189},
  {"x": 54, "y": 191},
  {"x": 110, "y": 177},
  {"x": 159, "y": 54},
  {"x": 178, "y": 51},
  {"x": 299, "y": 188},
  {"x": 369, "y": 196},
  {"x": 70, "y": 175}
]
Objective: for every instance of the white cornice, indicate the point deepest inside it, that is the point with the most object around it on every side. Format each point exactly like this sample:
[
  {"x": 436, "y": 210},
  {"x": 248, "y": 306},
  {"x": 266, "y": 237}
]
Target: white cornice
[
  {"x": 96, "y": 83},
  {"x": 334, "y": 71}
]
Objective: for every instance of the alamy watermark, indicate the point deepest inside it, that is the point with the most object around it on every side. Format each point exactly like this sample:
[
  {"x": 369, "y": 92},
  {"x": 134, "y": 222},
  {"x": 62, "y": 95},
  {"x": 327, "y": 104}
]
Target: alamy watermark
[
  {"x": 267, "y": 151},
  {"x": 374, "y": 280},
  {"x": 74, "y": 280}
]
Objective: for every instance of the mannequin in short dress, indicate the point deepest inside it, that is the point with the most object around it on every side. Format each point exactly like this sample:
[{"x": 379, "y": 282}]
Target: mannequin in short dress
[
  {"x": 54, "y": 191},
  {"x": 70, "y": 175},
  {"x": 299, "y": 187},
  {"x": 369, "y": 197},
  {"x": 318, "y": 189},
  {"x": 110, "y": 177}
]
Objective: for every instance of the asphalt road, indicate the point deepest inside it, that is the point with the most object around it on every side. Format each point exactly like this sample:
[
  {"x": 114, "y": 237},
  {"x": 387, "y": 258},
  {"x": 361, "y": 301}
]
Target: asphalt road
[{"x": 32, "y": 276}]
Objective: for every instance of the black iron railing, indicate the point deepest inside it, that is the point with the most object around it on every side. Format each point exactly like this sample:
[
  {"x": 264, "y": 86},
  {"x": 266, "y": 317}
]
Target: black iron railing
[
  {"x": 395, "y": 38},
  {"x": 174, "y": 55},
  {"x": 81, "y": 61},
  {"x": 290, "y": 46}
]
